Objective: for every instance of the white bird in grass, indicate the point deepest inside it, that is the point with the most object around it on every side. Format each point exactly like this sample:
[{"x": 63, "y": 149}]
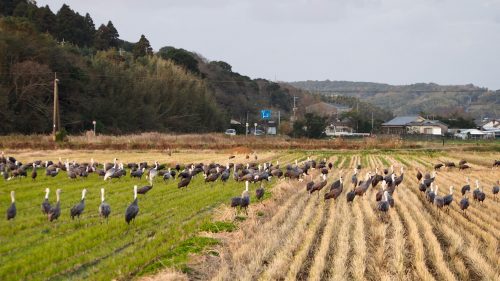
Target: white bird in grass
[
  {"x": 153, "y": 172},
  {"x": 111, "y": 171}
]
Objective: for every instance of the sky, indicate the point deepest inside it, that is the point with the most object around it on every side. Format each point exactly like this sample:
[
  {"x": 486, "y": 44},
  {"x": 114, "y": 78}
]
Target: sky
[{"x": 388, "y": 41}]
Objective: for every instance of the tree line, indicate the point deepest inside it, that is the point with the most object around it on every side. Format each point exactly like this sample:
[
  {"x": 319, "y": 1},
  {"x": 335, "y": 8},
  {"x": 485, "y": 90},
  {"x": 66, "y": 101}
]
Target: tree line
[{"x": 126, "y": 87}]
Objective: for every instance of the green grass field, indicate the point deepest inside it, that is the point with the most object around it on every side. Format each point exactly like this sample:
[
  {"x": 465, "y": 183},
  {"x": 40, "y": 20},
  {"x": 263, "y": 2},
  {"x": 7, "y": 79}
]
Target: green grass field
[{"x": 31, "y": 248}]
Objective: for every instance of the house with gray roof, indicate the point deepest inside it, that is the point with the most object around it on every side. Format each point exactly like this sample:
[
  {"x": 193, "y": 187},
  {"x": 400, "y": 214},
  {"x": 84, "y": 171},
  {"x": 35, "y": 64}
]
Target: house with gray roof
[{"x": 414, "y": 125}]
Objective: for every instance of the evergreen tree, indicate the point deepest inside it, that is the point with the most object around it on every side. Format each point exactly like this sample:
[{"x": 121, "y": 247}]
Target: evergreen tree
[
  {"x": 142, "y": 48},
  {"x": 21, "y": 10},
  {"x": 101, "y": 39},
  {"x": 89, "y": 30},
  {"x": 113, "y": 35},
  {"x": 64, "y": 23},
  {"x": 7, "y": 7},
  {"x": 44, "y": 19}
]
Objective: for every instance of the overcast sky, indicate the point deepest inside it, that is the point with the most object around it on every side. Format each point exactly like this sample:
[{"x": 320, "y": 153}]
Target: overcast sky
[{"x": 389, "y": 41}]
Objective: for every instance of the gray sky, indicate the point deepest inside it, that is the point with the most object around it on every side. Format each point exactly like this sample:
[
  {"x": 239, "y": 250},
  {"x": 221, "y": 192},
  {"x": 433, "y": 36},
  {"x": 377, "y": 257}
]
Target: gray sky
[{"x": 388, "y": 41}]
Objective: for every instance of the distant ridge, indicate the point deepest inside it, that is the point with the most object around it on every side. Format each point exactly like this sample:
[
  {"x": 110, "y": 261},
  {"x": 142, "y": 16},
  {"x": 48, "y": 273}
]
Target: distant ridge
[{"x": 429, "y": 98}]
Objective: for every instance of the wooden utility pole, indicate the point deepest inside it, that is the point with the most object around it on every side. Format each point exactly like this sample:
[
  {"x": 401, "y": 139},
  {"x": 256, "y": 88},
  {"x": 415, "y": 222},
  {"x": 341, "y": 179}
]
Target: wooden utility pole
[{"x": 56, "y": 118}]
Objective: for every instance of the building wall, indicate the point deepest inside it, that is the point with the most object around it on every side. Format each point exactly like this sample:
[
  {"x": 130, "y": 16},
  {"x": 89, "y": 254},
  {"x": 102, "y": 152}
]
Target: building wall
[
  {"x": 426, "y": 130},
  {"x": 394, "y": 130}
]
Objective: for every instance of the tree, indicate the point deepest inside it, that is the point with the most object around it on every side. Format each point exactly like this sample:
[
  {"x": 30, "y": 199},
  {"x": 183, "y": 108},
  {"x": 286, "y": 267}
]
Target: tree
[
  {"x": 22, "y": 9},
  {"x": 223, "y": 65},
  {"x": 311, "y": 126},
  {"x": 89, "y": 30},
  {"x": 180, "y": 57},
  {"x": 101, "y": 38},
  {"x": 142, "y": 48},
  {"x": 70, "y": 27},
  {"x": 44, "y": 20},
  {"x": 113, "y": 35},
  {"x": 315, "y": 126},
  {"x": 7, "y": 7}
]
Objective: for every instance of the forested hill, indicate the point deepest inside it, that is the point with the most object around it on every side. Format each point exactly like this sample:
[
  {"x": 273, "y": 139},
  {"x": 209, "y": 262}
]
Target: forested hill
[
  {"x": 467, "y": 100},
  {"x": 126, "y": 87}
]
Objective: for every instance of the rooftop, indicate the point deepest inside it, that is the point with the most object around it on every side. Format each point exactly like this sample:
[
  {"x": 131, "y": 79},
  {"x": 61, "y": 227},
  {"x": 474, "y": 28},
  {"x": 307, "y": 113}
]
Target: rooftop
[{"x": 403, "y": 120}]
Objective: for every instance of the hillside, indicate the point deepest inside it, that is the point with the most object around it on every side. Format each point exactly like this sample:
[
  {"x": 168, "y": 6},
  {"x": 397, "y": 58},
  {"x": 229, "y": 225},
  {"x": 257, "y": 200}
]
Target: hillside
[
  {"x": 126, "y": 87},
  {"x": 416, "y": 98}
]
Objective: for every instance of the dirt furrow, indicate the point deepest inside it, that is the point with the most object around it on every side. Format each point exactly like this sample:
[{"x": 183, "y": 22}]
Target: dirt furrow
[
  {"x": 340, "y": 260},
  {"x": 307, "y": 242},
  {"x": 419, "y": 257},
  {"x": 278, "y": 263},
  {"x": 359, "y": 257},
  {"x": 431, "y": 241},
  {"x": 332, "y": 228}
]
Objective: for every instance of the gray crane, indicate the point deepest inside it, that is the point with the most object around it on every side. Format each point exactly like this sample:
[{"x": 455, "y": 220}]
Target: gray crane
[
  {"x": 132, "y": 209},
  {"x": 104, "y": 208},
  {"x": 46, "y": 203},
  {"x": 55, "y": 212},
  {"x": 12, "y": 211},
  {"x": 77, "y": 209}
]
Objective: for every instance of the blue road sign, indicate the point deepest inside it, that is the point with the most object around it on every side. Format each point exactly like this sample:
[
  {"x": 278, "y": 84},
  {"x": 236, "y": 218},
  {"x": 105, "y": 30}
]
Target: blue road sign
[{"x": 265, "y": 114}]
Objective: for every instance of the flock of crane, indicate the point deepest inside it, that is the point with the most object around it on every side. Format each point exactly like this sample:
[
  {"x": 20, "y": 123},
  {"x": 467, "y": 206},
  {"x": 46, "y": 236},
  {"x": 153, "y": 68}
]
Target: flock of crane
[{"x": 250, "y": 172}]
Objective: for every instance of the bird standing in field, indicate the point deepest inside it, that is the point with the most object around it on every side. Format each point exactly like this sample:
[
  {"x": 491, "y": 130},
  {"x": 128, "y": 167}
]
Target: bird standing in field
[
  {"x": 354, "y": 178},
  {"x": 241, "y": 202},
  {"x": 335, "y": 189},
  {"x": 438, "y": 200},
  {"x": 318, "y": 186},
  {"x": 33, "y": 173},
  {"x": 422, "y": 187},
  {"x": 464, "y": 203},
  {"x": 476, "y": 191},
  {"x": 310, "y": 184},
  {"x": 12, "y": 211},
  {"x": 466, "y": 187},
  {"x": 153, "y": 172},
  {"x": 46, "y": 203},
  {"x": 383, "y": 206},
  {"x": 184, "y": 182},
  {"x": 448, "y": 199},
  {"x": 495, "y": 189},
  {"x": 419, "y": 175},
  {"x": 55, "y": 212},
  {"x": 245, "y": 198},
  {"x": 132, "y": 209},
  {"x": 481, "y": 196},
  {"x": 259, "y": 192},
  {"x": 429, "y": 193},
  {"x": 146, "y": 188},
  {"x": 104, "y": 208},
  {"x": 77, "y": 210},
  {"x": 110, "y": 171}
]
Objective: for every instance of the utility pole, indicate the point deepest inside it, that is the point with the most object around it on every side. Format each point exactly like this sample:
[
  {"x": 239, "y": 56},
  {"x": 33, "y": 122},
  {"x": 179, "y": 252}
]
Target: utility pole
[
  {"x": 56, "y": 117},
  {"x": 294, "y": 108},
  {"x": 372, "y": 122},
  {"x": 246, "y": 126}
]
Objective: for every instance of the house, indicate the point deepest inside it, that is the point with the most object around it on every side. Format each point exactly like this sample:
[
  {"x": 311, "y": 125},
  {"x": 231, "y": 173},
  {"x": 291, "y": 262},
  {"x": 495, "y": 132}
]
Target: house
[
  {"x": 398, "y": 125},
  {"x": 490, "y": 125},
  {"x": 428, "y": 127},
  {"x": 467, "y": 134},
  {"x": 414, "y": 125},
  {"x": 339, "y": 128}
]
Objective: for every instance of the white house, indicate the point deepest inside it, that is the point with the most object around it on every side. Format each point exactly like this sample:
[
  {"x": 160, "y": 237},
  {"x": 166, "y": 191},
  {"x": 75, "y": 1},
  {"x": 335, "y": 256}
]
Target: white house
[
  {"x": 491, "y": 125},
  {"x": 473, "y": 134}
]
